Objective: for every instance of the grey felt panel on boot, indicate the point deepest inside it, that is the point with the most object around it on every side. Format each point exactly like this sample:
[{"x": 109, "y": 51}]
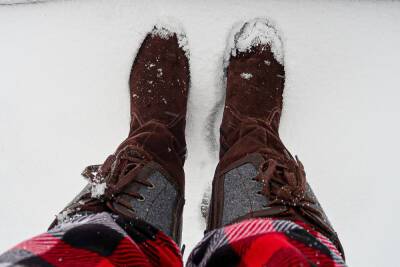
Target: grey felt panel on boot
[
  {"x": 158, "y": 206},
  {"x": 317, "y": 205},
  {"x": 240, "y": 193}
]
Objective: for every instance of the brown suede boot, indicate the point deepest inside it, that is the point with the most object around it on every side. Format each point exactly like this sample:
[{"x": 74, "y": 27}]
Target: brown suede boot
[
  {"x": 256, "y": 175},
  {"x": 144, "y": 178}
]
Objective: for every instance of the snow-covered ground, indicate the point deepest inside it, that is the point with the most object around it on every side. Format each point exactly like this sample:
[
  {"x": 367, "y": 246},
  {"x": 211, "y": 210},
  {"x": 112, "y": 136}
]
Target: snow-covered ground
[{"x": 64, "y": 68}]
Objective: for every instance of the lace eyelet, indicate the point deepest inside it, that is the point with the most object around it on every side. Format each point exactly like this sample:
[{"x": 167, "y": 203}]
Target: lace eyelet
[
  {"x": 265, "y": 166},
  {"x": 141, "y": 199},
  {"x": 259, "y": 193},
  {"x": 151, "y": 186}
]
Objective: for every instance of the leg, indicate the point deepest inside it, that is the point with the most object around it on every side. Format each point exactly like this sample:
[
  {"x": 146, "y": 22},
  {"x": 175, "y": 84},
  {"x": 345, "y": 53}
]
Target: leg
[
  {"x": 257, "y": 177},
  {"x": 265, "y": 242},
  {"x": 96, "y": 240},
  {"x": 139, "y": 190}
]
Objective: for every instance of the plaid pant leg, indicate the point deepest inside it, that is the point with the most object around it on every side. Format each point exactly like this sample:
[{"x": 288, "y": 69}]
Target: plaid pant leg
[
  {"x": 96, "y": 240},
  {"x": 265, "y": 242}
]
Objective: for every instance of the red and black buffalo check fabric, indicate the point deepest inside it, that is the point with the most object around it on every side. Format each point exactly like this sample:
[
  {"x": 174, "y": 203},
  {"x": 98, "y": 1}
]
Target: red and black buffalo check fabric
[{"x": 105, "y": 240}]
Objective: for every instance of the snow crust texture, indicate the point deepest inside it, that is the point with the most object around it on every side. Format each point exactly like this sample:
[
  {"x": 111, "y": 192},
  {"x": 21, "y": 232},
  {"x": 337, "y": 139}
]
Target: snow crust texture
[
  {"x": 15, "y": 2},
  {"x": 98, "y": 189},
  {"x": 167, "y": 27},
  {"x": 254, "y": 32}
]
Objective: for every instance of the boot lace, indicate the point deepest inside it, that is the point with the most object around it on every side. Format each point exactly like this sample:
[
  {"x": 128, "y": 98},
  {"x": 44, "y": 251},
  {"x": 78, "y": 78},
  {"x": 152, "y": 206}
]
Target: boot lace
[
  {"x": 286, "y": 185},
  {"x": 117, "y": 172}
]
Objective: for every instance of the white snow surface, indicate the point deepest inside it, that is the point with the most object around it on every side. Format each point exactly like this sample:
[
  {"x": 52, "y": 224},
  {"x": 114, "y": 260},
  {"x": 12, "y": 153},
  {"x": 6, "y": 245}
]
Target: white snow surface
[
  {"x": 166, "y": 27},
  {"x": 15, "y": 2},
  {"x": 98, "y": 189},
  {"x": 247, "y": 34},
  {"x": 246, "y": 76},
  {"x": 64, "y": 104}
]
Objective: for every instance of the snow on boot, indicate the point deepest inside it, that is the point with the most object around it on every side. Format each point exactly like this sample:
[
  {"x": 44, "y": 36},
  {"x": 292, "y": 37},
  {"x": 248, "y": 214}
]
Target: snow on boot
[
  {"x": 256, "y": 175},
  {"x": 144, "y": 179}
]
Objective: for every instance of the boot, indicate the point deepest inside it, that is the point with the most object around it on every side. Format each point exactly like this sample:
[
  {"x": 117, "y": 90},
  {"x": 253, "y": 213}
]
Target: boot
[
  {"x": 257, "y": 176},
  {"x": 144, "y": 179}
]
